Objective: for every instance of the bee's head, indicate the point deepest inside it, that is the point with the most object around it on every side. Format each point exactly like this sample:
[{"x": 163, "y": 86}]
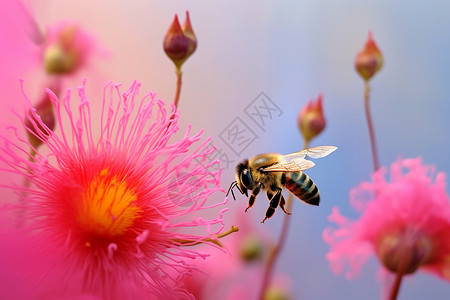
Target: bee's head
[
  {"x": 244, "y": 181},
  {"x": 243, "y": 177}
]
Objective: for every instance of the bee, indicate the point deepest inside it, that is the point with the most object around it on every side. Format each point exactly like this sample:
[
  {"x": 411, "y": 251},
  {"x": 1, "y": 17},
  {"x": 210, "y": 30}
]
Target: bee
[{"x": 272, "y": 171}]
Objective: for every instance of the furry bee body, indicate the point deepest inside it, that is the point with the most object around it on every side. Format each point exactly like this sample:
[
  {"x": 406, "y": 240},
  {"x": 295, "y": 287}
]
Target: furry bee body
[{"x": 273, "y": 172}]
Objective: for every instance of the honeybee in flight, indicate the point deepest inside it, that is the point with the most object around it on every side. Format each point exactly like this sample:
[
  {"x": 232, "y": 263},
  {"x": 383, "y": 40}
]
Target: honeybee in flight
[{"x": 273, "y": 171}]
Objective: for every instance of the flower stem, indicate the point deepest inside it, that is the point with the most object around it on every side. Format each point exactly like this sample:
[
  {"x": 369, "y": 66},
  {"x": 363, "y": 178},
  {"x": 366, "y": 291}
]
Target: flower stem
[
  {"x": 276, "y": 250},
  {"x": 396, "y": 287},
  {"x": 26, "y": 184},
  {"x": 376, "y": 163},
  {"x": 306, "y": 144},
  {"x": 400, "y": 274},
  {"x": 179, "y": 83},
  {"x": 215, "y": 239}
]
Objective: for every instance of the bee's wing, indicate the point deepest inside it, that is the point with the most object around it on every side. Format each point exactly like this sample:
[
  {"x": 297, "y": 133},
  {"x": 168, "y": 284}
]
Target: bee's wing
[
  {"x": 295, "y": 165},
  {"x": 315, "y": 152},
  {"x": 296, "y": 161}
]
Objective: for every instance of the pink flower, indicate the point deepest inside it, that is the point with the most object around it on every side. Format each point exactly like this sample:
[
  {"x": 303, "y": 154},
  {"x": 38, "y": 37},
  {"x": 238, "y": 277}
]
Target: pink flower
[
  {"x": 64, "y": 47},
  {"x": 67, "y": 48},
  {"x": 21, "y": 271},
  {"x": 238, "y": 273},
  {"x": 405, "y": 221},
  {"x": 101, "y": 205},
  {"x": 18, "y": 53}
]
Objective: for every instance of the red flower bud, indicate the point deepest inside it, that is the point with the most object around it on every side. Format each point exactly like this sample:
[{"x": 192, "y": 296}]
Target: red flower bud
[
  {"x": 311, "y": 120},
  {"x": 189, "y": 32},
  {"x": 369, "y": 60},
  {"x": 404, "y": 251},
  {"x": 44, "y": 111},
  {"x": 180, "y": 42}
]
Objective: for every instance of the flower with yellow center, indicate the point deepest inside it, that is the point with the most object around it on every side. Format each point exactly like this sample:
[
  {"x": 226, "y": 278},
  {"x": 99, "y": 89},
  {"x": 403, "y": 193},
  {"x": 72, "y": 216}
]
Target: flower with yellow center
[
  {"x": 104, "y": 212},
  {"x": 67, "y": 48},
  {"x": 108, "y": 206}
]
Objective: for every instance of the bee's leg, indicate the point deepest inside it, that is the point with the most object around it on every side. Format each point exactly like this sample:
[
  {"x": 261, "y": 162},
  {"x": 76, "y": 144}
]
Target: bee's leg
[
  {"x": 282, "y": 203},
  {"x": 252, "y": 198},
  {"x": 269, "y": 195},
  {"x": 274, "y": 202}
]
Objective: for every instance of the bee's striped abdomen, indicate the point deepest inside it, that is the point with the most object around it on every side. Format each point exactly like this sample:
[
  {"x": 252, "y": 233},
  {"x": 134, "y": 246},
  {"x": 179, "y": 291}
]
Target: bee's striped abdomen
[{"x": 303, "y": 187}]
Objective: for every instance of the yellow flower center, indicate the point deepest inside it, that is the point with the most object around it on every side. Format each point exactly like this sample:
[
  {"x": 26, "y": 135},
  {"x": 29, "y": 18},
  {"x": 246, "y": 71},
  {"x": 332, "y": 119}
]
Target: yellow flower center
[
  {"x": 108, "y": 206},
  {"x": 58, "y": 60},
  {"x": 63, "y": 56}
]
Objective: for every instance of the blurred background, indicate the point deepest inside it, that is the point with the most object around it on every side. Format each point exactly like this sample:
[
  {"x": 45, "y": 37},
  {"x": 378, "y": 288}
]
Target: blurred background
[{"x": 287, "y": 53}]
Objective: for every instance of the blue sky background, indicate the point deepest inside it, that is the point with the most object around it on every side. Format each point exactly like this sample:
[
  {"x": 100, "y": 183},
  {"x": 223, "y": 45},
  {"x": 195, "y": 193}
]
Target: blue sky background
[{"x": 292, "y": 51}]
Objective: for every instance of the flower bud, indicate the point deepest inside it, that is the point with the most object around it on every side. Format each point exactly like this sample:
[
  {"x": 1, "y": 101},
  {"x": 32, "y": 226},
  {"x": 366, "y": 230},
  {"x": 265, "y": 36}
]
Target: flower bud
[
  {"x": 44, "y": 109},
  {"x": 311, "y": 120},
  {"x": 369, "y": 60},
  {"x": 66, "y": 50},
  {"x": 189, "y": 32},
  {"x": 252, "y": 249},
  {"x": 180, "y": 42},
  {"x": 57, "y": 61},
  {"x": 277, "y": 293},
  {"x": 404, "y": 252}
]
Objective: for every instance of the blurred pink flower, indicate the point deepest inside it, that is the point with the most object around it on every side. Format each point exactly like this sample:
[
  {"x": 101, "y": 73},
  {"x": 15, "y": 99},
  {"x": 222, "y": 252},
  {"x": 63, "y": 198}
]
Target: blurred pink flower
[
  {"x": 18, "y": 53},
  {"x": 63, "y": 48},
  {"x": 102, "y": 208},
  {"x": 21, "y": 271},
  {"x": 405, "y": 221},
  {"x": 67, "y": 48},
  {"x": 237, "y": 273}
]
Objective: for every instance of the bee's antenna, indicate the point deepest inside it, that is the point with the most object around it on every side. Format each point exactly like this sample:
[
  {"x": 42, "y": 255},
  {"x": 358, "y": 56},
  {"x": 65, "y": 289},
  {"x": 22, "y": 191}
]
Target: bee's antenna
[{"x": 233, "y": 184}]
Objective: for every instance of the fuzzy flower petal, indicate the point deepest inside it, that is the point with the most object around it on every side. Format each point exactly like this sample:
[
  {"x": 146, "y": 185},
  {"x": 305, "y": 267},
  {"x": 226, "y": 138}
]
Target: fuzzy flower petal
[
  {"x": 238, "y": 273},
  {"x": 407, "y": 215},
  {"x": 101, "y": 205},
  {"x": 68, "y": 48}
]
